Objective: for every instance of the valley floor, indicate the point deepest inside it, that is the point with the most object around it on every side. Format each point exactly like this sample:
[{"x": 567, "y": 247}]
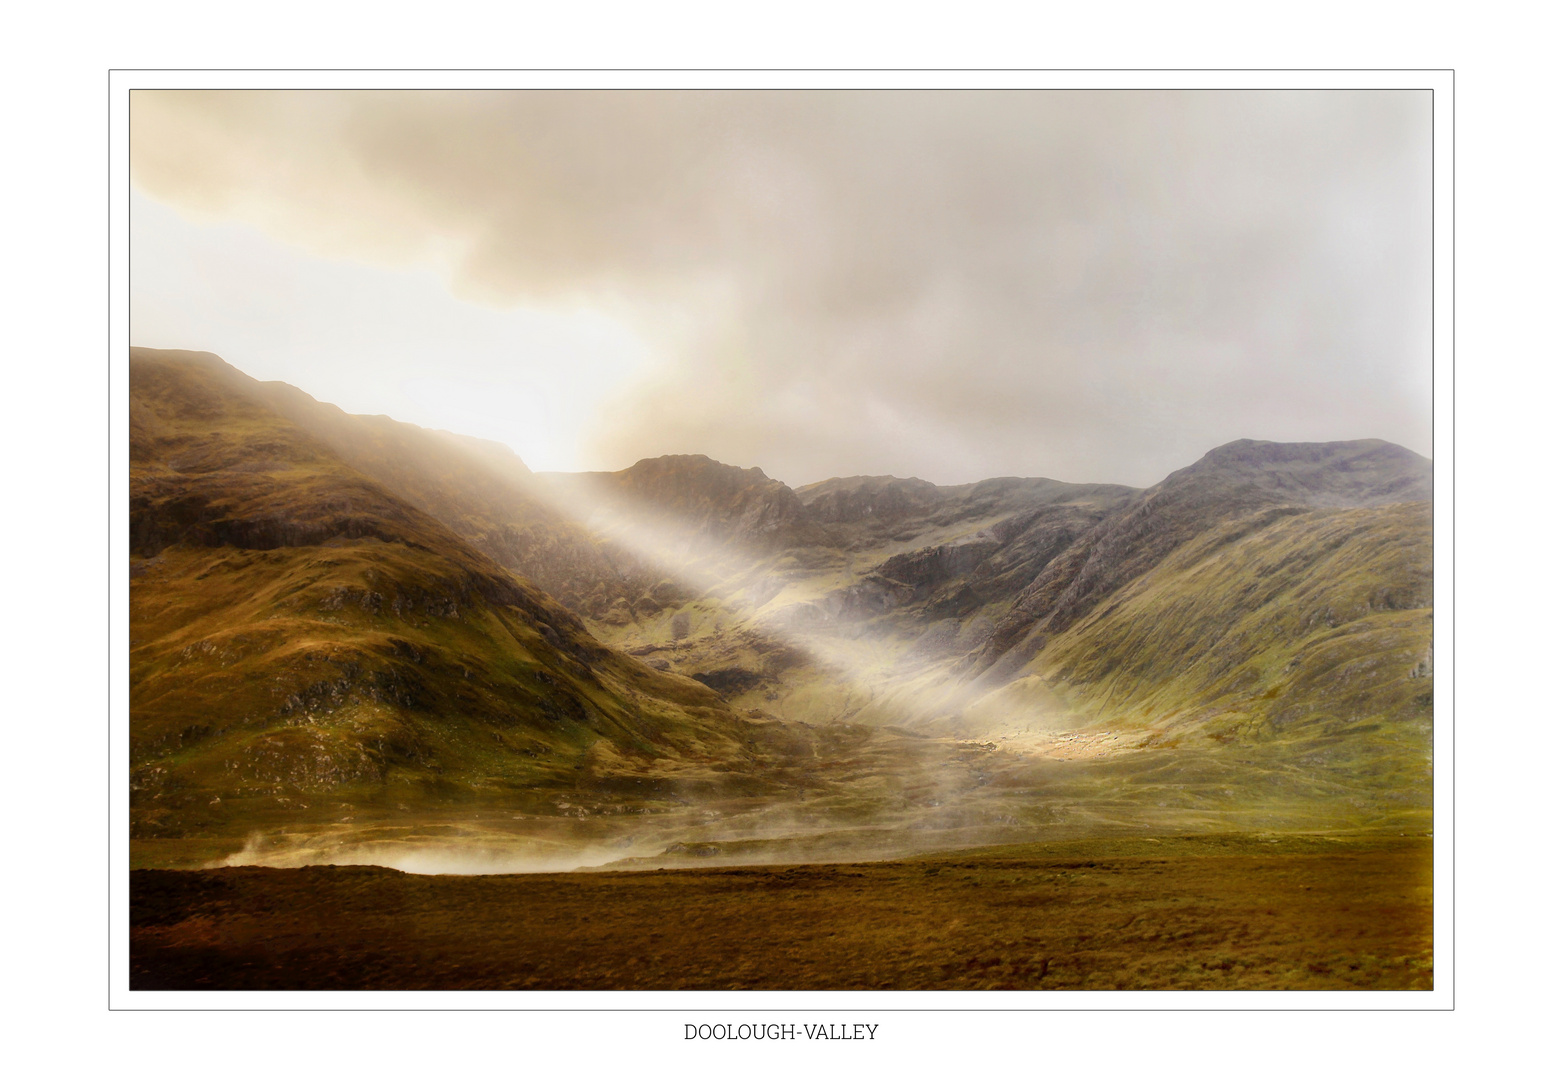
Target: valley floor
[{"x": 1209, "y": 912}]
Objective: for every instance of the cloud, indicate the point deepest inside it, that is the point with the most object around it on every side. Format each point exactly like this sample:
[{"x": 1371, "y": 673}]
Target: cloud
[{"x": 1088, "y": 285}]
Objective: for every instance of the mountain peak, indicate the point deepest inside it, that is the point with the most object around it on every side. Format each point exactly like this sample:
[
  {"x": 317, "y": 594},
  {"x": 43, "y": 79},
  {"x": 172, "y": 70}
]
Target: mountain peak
[
  {"x": 1358, "y": 472},
  {"x": 692, "y": 465}
]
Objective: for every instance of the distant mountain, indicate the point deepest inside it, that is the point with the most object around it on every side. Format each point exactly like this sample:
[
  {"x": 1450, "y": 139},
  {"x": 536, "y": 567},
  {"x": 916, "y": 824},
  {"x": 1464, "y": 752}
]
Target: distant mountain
[
  {"x": 962, "y": 547},
  {"x": 710, "y": 505}
]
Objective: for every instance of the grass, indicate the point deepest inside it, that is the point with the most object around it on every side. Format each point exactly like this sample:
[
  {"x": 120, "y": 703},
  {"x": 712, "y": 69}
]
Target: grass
[
  {"x": 1225, "y": 912},
  {"x": 1311, "y": 631}
]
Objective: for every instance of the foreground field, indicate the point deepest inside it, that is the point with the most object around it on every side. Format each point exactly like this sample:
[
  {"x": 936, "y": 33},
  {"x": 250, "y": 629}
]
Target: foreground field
[{"x": 1176, "y": 913}]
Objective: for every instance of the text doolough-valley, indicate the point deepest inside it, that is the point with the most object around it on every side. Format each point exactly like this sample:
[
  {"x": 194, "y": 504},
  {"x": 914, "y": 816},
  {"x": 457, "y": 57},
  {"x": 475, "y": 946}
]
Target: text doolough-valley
[{"x": 782, "y": 1032}]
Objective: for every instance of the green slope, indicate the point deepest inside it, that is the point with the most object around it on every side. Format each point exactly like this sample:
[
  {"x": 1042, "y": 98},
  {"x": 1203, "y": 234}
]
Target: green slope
[
  {"x": 1282, "y": 625},
  {"x": 304, "y": 641}
]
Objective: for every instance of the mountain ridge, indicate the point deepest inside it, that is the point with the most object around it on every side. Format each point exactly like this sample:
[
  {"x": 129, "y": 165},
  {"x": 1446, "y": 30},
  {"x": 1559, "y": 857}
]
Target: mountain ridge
[{"x": 385, "y": 613}]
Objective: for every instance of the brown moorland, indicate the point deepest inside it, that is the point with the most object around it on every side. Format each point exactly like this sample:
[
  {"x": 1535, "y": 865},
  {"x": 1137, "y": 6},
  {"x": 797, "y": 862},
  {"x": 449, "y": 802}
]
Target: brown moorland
[{"x": 1211, "y": 912}]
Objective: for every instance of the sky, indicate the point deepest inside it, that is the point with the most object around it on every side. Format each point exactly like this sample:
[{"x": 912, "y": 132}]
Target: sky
[{"x": 1086, "y": 285}]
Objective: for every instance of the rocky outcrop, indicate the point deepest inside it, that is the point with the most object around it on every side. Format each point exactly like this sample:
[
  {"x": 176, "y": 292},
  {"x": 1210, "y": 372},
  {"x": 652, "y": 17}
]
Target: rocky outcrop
[
  {"x": 697, "y": 503},
  {"x": 884, "y": 498}
]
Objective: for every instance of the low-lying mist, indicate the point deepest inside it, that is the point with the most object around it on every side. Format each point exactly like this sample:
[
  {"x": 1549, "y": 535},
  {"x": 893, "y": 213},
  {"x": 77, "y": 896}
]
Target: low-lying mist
[
  {"x": 520, "y": 856},
  {"x": 891, "y": 797}
]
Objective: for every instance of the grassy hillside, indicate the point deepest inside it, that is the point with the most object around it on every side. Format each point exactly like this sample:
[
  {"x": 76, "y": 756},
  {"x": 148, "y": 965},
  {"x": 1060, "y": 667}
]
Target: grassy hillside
[
  {"x": 1280, "y": 625},
  {"x": 305, "y": 642},
  {"x": 478, "y": 489},
  {"x": 1226, "y": 485}
]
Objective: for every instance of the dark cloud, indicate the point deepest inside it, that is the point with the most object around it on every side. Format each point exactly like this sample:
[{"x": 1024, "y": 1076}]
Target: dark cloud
[{"x": 1088, "y": 285}]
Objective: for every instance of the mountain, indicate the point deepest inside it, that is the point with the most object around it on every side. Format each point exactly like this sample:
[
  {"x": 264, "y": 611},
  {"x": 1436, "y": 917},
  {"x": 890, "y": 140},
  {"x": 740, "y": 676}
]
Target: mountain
[
  {"x": 1283, "y": 620},
  {"x": 955, "y": 549},
  {"x": 1230, "y": 484},
  {"x": 349, "y": 625},
  {"x": 303, "y": 638},
  {"x": 897, "y": 601},
  {"x": 709, "y": 504},
  {"x": 784, "y": 600},
  {"x": 1270, "y": 604},
  {"x": 1269, "y": 596},
  {"x": 481, "y": 491}
]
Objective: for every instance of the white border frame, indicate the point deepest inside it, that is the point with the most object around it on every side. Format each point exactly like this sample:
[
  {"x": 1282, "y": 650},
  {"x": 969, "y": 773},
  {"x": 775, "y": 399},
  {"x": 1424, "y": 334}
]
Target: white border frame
[{"x": 796, "y": 1005}]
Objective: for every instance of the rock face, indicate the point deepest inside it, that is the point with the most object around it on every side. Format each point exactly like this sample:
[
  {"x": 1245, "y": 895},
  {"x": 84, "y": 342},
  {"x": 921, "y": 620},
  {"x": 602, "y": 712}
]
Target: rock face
[
  {"x": 703, "y": 503},
  {"x": 885, "y": 499}
]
